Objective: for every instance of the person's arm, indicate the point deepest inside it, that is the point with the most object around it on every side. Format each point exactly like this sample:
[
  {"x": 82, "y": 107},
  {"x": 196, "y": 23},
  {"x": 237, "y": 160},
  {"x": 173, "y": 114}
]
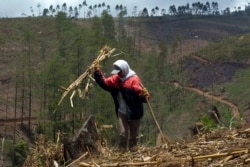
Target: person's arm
[
  {"x": 138, "y": 88},
  {"x": 106, "y": 83}
]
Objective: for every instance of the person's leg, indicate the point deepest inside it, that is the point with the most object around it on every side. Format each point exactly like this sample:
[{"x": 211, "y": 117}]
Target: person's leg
[
  {"x": 123, "y": 130},
  {"x": 134, "y": 126}
]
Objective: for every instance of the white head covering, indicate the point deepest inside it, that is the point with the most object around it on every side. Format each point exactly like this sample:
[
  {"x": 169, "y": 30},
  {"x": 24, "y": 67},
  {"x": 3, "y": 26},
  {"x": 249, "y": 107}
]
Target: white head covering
[{"x": 122, "y": 65}]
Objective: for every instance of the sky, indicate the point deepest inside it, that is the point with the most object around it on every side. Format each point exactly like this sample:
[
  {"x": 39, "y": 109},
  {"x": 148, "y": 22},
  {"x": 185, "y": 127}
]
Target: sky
[{"x": 15, "y": 8}]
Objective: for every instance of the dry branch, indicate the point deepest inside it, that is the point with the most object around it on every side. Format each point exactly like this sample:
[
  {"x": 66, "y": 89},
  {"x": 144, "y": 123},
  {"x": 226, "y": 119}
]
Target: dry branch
[
  {"x": 84, "y": 164},
  {"x": 221, "y": 154},
  {"x": 205, "y": 151},
  {"x": 78, "y": 159},
  {"x": 104, "y": 53},
  {"x": 217, "y": 148}
]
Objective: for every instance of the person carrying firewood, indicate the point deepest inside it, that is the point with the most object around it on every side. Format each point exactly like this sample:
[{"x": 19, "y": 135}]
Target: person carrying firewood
[{"x": 128, "y": 95}]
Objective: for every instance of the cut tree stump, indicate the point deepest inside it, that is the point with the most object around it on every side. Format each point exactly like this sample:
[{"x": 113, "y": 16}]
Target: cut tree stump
[{"x": 87, "y": 140}]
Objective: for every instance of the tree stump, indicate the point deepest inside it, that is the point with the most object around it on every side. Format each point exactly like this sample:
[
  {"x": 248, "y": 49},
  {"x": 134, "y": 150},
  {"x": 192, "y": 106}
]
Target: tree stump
[{"x": 87, "y": 140}]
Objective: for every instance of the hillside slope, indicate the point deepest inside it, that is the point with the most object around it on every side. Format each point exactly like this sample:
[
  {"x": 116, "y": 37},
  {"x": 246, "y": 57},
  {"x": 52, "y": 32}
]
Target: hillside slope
[
  {"x": 196, "y": 30},
  {"x": 199, "y": 57},
  {"x": 194, "y": 33}
]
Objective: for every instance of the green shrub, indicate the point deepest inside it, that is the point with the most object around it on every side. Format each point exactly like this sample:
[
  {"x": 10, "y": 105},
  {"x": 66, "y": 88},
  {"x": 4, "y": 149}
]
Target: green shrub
[{"x": 20, "y": 152}]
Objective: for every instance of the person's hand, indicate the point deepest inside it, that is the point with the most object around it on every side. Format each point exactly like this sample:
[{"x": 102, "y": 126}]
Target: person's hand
[
  {"x": 97, "y": 66},
  {"x": 145, "y": 93}
]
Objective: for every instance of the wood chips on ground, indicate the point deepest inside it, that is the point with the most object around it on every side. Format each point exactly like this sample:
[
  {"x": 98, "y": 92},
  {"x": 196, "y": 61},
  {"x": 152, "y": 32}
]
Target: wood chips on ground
[{"x": 219, "y": 148}]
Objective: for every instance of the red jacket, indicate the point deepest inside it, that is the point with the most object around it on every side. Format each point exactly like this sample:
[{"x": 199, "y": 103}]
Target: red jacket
[{"x": 130, "y": 88}]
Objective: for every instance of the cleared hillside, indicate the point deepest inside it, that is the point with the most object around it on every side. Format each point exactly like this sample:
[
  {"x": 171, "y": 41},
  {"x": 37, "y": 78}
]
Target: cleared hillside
[
  {"x": 198, "y": 52},
  {"x": 197, "y": 30}
]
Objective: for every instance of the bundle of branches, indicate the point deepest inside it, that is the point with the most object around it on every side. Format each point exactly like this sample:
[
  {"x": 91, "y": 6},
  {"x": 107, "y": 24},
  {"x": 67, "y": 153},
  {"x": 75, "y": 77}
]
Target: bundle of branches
[
  {"x": 45, "y": 153},
  {"x": 104, "y": 53}
]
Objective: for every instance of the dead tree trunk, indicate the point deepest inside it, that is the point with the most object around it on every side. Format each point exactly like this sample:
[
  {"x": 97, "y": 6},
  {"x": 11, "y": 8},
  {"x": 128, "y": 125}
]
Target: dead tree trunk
[{"x": 87, "y": 139}]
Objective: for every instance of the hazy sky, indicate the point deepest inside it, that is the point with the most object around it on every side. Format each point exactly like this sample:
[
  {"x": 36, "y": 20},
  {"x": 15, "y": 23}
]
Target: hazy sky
[{"x": 15, "y": 8}]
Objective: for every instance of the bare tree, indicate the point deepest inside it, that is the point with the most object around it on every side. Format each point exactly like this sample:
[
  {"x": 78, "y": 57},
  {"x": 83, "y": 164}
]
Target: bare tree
[
  {"x": 57, "y": 8},
  {"x": 163, "y": 12},
  {"x": 64, "y": 7},
  {"x": 32, "y": 11},
  {"x": 99, "y": 7},
  {"x": 79, "y": 8},
  {"x": 89, "y": 13},
  {"x": 108, "y": 8},
  {"x": 76, "y": 13},
  {"x": 144, "y": 12},
  {"x": 134, "y": 12},
  {"x": 70, "y": 11},
  {"x": 84, "y": 3},
  {"x": 152, "y": 12},
  {"x": 156, "y": 10},
  {"x": 39, "y": 9}
]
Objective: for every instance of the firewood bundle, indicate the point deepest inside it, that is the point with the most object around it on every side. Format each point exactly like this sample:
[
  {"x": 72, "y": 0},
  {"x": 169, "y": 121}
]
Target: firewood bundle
[{"x": 104, "y": 53}]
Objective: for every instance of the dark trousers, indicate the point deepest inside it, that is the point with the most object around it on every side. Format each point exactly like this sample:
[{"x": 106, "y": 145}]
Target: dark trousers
[{"x": 128, "y": 131}]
